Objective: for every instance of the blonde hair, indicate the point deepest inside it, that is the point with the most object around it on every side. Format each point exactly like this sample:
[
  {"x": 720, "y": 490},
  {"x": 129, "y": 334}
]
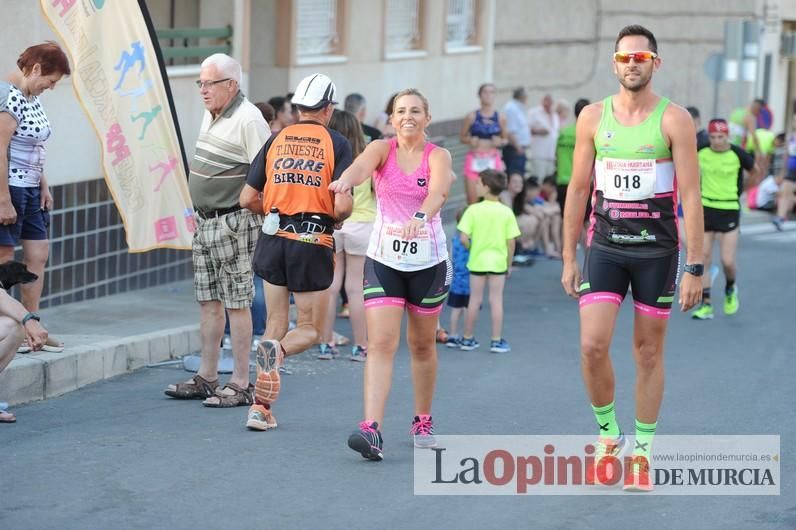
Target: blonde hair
[{"x": 411, "y": 92}]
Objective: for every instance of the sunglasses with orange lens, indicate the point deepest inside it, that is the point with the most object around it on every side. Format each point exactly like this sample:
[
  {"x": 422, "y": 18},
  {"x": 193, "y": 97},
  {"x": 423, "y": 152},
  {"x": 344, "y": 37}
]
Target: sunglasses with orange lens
[{"x": 639, "y": 57}]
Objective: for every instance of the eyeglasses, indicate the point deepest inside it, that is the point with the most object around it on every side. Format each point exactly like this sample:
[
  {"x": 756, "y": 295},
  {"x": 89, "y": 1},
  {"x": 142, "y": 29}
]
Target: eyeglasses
[
  {"x": 639, "y": 57},
  {"x": 207, "y": 84}
]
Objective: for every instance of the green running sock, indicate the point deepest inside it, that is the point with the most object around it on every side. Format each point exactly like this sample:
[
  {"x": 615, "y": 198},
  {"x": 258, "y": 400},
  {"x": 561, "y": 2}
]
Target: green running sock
[
  {"x": 644, "y": 434},
  {"x": 606, "y": 420}
]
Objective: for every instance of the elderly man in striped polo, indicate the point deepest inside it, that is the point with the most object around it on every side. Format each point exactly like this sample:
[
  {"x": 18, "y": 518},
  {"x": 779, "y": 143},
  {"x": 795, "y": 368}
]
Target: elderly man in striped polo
[{"x": 232, "y": 133}]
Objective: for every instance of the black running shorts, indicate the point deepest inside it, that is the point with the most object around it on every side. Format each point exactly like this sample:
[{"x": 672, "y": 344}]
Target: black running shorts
[
  {"x": 458, "y": 301},
  {"x": 723, "y": 221},
  {"x": 299, "y": 266},
  {"x": 607, "y": 275},
  {"x": 421, "y": 292}
]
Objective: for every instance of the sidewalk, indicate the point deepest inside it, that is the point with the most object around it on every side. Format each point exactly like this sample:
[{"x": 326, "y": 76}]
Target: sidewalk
[{"x": 104, "y": 338}]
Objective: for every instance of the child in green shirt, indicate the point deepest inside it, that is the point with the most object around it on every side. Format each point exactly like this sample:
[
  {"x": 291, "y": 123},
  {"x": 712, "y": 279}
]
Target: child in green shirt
[{"x": 488, "y": 230}]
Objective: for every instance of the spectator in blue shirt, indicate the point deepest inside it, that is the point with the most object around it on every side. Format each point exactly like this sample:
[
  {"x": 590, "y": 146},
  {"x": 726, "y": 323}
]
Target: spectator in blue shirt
[{"x": 459, "y": 296}]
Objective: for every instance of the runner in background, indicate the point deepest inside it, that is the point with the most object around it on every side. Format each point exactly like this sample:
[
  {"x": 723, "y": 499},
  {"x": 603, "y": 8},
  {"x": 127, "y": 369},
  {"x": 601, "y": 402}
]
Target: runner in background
[
  {"x": 565, "y": 149},
  {"x": 722, "y": 167}
]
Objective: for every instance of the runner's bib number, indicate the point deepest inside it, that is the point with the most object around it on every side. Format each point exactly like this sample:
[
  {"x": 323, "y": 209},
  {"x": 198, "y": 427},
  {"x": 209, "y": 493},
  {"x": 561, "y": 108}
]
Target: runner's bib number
[
  {"x": 626, "y": 180},
  {"x": 480, "y": 164},
  {"x": 395, "y": 249}
]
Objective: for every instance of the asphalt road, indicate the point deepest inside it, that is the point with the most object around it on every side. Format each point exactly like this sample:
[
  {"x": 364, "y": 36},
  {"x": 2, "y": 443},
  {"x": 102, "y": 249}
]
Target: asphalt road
[{"x": 119, "y": 454}]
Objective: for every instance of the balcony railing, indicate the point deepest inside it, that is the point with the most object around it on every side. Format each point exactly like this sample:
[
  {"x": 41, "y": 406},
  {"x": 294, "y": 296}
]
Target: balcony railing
[{"x": 192, "y": 45}]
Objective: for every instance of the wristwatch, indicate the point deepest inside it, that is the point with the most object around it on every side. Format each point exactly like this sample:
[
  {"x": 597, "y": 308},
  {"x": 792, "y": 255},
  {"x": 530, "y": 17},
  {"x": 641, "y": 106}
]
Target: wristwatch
[
  {"x": 696, "y": 269},
  {"x": 420, "y": 216},
  {"x": 30, "y": 316}
]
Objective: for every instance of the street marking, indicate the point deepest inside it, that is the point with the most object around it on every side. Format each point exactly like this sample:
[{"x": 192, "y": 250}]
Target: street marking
[
  {"x": 768, "y": 233},
  {"x": 765, "y": 228},
  {"x": 779, "y": 237}
]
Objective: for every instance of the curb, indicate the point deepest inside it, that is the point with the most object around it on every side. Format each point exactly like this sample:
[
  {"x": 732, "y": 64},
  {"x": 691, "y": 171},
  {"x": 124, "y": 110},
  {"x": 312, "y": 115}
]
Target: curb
[{"x": 33, "y": 377}]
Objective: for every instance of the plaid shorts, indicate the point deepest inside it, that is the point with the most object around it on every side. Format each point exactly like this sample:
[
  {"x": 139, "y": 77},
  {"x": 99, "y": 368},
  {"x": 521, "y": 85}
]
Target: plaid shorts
[{"x": 222, "y": 258}]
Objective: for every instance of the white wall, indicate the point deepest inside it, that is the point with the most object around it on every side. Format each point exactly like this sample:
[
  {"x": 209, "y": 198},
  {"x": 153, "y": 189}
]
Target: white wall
[
  {"x": 450, "y": 81},
  {"x": 267, "y": 79},
  {"x": 187, "y": 103},
  {"x": 565, "y": 48}
]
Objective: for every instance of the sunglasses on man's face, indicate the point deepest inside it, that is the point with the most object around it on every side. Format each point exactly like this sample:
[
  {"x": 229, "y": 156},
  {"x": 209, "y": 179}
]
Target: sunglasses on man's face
[{"x": 639, "y": 57}]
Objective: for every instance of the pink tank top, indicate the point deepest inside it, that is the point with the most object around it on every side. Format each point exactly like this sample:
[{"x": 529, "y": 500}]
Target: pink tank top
[{"x": 398, "y": 197}]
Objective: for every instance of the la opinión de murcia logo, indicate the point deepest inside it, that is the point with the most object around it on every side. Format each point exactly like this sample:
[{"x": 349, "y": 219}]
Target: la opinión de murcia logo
[{"x": 520, "y": 472}]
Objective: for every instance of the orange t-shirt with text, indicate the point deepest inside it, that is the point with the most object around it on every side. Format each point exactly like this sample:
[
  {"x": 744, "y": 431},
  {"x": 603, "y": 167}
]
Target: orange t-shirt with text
[{"x": 299, "y": 166}]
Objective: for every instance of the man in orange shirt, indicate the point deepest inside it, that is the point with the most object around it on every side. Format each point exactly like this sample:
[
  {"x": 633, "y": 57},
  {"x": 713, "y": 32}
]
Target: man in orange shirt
[{"x": 293, "y": 172}]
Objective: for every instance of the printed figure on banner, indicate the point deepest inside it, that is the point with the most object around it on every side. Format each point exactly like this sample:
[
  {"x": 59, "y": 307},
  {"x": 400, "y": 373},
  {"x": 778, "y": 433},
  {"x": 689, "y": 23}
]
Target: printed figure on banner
[
  {"x": 128, "y": 61},
  {"x": 166, "y": 169},
  {"x": 136, "y": 93},
  {"x": 148, "y": 118}
]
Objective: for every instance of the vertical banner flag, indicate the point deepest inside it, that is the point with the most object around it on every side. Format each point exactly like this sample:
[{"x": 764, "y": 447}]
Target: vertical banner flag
[{"x": 121, "y": 84}]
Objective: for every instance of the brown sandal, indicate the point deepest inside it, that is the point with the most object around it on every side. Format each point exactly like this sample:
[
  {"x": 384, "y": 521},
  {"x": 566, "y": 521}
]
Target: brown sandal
[
  {"x": 200, "y": 388},
  {"x": 241, "y": 397}
]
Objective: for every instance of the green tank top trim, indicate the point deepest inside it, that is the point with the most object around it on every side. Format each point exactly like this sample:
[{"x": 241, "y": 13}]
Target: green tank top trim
[{"x": 636, "y": 142}]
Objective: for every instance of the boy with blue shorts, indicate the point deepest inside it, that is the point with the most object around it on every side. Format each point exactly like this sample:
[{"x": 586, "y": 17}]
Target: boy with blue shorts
[{"x": 459, "y": 296}]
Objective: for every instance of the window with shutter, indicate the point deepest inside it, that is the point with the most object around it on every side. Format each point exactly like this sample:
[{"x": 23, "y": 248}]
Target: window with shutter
[
  {"x": 403, "y": 26},
  {"x": 461, "y": 31},
  {"x": 316, "y": 33}
]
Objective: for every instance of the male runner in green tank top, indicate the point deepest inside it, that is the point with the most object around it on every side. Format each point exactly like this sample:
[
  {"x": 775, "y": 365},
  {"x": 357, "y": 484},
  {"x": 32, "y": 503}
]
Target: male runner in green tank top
[
  {"x": 643, "y": 152},
  {"x": 722, "y": 167}
]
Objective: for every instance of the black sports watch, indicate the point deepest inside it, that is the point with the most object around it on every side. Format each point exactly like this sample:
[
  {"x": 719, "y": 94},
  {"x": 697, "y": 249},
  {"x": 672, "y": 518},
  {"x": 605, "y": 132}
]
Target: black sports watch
[
  {"x": 696, "y": 269},
  {"x": 420, "y": 216}
]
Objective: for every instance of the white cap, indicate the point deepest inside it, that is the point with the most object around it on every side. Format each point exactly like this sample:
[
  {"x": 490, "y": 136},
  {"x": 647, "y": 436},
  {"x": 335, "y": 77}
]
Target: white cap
[{"x": 315, "y": 91}]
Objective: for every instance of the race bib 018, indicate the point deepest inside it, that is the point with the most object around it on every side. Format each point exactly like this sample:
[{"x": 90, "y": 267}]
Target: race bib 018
[{"x": 626, "y": 180}]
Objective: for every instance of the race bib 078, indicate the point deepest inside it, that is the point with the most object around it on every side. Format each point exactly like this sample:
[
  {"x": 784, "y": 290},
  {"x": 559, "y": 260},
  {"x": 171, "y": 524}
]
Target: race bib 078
[{"x": 396, "y": 249}]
